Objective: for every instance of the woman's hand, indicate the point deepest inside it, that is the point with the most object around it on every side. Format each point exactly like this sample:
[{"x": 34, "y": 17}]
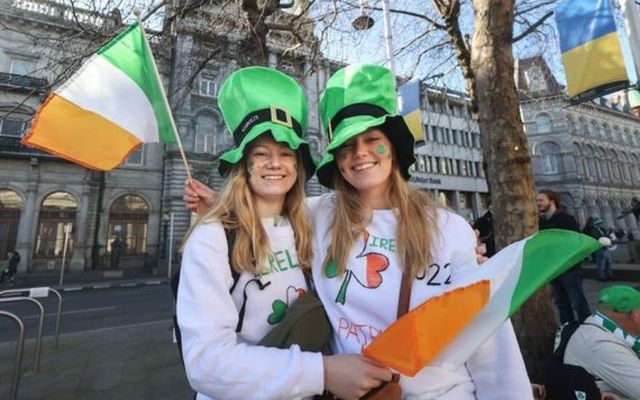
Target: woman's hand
[
  {"x": 198, "y": 197},
  {"x": 481, "y": 249},
  {"x": 351, "y": 376}
]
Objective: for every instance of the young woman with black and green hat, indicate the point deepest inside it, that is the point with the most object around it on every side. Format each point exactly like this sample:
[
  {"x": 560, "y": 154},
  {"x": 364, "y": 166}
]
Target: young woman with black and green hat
[
  {"x": 228, "y": 300},
  {"x": 376, "y": 227}
]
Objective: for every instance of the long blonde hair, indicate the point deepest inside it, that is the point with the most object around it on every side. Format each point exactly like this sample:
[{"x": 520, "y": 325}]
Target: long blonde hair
[
  {"x": 235, "y": 210},
  {"x": 416, "y": 230}
]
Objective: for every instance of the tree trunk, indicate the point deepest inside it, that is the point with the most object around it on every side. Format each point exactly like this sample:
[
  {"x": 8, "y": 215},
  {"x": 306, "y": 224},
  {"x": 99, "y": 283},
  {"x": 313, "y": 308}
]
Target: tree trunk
[{"x": 509, "y": 172}]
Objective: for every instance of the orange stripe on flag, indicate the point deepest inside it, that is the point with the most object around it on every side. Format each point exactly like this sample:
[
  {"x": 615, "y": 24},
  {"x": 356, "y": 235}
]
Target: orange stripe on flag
[
  {"x": 80, "y": 136},
  {"x": 413, "y": 341}
]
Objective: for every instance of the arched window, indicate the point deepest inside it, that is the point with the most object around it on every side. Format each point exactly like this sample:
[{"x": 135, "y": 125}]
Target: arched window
[
  {"x": 551, "y": 161},
  {"x": 624, "y": 166},
  {"x": 607, "y": 131},
  {"x": 584, "y": 127},
  {"x": 590, "y": 161},
  {"x": 626, "y": 136},
  {"x": 602, "y": 163},
  {"x": 57, "y": 215},
  {"x": 10, "y": 206},
  {"x": 205, "y": 138},
  {"x": 595, "y": 129},
  {"x": 128, "y": 225},
  {"x": 543, "y": 123},
  {"x": 571, "y": 124},
  {"x": 616, "y": 134},
  {"x": 614, "y": 163},
  {"x": 577, "y": 156},
  {"x": 635, "y": 168}
]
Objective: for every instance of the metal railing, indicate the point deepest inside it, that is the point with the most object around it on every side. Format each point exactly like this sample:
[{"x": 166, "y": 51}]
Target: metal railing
[
  {"x": 40, "y": 292},
  {"x": 36, "y": 361},
  {"x": 17, "y": 365}
]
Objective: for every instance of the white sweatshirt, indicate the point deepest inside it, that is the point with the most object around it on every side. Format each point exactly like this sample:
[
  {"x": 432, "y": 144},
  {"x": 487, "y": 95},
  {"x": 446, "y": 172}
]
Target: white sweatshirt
[
  {"x": 363, "y": 302},
  {"x": 221, "y": 364}
]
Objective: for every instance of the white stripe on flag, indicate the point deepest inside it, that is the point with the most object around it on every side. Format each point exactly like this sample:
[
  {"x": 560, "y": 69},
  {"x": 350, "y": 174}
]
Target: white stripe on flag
[{"x": 102, "y": 88}]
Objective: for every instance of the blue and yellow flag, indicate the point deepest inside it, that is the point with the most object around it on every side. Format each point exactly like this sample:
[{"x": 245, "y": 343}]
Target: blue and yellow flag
[
  {"x": 410, "y": 108},
  {"x": 590, "y": 46}
]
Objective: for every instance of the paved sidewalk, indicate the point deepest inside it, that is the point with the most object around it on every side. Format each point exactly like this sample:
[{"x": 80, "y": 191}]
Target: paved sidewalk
[{"x": 134, "y": 362}]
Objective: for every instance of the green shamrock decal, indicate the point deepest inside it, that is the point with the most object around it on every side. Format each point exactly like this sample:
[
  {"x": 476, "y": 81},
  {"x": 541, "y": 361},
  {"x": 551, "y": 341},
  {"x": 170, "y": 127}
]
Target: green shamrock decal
[{"x": 279, "y": 308}]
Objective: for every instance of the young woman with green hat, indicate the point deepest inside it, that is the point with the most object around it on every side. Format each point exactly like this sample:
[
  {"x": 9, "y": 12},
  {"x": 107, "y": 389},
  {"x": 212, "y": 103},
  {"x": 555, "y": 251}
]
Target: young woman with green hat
[
  {"x": 229, "y": 300},
  {"x": 375, "y": 227}
]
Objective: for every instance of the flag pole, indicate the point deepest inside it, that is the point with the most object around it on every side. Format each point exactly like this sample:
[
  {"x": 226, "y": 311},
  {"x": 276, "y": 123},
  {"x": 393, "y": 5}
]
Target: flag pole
[{"x": 164, "y": 94}]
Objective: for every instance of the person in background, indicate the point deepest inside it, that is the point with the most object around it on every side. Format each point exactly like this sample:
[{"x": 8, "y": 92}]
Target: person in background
[
  {"x": 607, "y": 344},
  {"x": 484, "y": 226},
  {"x": 594, "y": 228},
  {"x": 568, "y": 294},
  {"x": 10, "y": 268}
]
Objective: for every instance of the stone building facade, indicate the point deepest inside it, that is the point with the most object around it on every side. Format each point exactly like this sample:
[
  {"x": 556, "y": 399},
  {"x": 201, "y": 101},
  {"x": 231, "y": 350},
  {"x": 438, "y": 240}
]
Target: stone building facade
[
  {"x": 120, "y": 218},
  {"x": 589, "y": 153}
]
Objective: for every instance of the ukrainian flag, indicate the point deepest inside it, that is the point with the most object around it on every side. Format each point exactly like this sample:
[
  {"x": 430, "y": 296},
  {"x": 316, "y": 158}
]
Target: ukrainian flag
[
  {"x": 590, "y": 47},
  {"x": 410, "y": 108}
]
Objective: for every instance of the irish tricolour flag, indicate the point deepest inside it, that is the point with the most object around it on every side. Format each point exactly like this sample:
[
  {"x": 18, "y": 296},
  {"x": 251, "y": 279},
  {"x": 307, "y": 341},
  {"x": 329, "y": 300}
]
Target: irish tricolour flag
[
  {"x": 449, "y": 328},
  {"x": 113, "y": 103}
]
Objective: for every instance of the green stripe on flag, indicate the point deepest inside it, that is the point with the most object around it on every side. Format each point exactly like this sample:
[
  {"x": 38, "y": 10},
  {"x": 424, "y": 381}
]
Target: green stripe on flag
[
  {"x": 554, "y": 251},
  {"x": 128, "y": 52}
]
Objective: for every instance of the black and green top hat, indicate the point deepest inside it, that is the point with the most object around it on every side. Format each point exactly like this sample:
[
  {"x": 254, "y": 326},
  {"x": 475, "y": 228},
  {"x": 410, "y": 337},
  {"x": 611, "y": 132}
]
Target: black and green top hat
[
  {"x": 357, "y": 98},
  {"x": 257, "y": 100}
]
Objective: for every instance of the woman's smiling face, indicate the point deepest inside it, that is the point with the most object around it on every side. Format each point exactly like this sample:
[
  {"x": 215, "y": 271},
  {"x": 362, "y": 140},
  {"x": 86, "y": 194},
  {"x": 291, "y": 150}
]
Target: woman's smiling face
[
  {"x": 272, "y": 169},
  {"x": 365, "y": 161}
]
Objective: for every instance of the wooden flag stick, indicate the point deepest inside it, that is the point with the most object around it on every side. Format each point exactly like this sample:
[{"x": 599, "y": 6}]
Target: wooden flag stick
[{"x": 164, "y": 96}]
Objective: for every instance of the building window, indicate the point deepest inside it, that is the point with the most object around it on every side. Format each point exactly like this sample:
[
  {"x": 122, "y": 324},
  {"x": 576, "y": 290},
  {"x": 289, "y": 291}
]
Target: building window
[
  {"x": 571, "y": 125},
  {"x": 551, "y": 162},
  {"x": 128, "y": 226},
  {"x": 20, "y": 66},
  {"x": 10, "y": 207},
  {"x": 57, "y": 216},
  {"x": 464, "y": 171},
  {"x": 11, "y": 127},
  {"x": 543, "y": 123},
  {"x": 136, "y": 157},
  {"x": 207, "y": 87},
  {"x": 205, "y": 135},
  {"x": 584, "y": 126},
  {"x": 420, "y": 163}
]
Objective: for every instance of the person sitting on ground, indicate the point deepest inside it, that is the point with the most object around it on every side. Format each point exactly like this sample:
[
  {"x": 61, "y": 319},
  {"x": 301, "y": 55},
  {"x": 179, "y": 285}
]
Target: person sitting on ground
[{"x": 607, "y": 344}]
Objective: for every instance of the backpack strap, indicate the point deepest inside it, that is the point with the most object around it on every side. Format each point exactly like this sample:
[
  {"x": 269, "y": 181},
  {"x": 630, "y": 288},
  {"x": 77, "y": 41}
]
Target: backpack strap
[
  {"x": 230, "y": 234},
  {"x": 562, "y": 339}
]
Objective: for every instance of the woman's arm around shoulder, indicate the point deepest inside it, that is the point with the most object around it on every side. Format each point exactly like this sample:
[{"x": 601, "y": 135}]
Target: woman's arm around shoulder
[{"x": 218, "y": 365}]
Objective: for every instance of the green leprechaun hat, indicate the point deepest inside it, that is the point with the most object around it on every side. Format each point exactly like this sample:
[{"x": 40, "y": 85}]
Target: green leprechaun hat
[
  {"x": 357, "y": 98},
  {"x": 256, "y": 100}
]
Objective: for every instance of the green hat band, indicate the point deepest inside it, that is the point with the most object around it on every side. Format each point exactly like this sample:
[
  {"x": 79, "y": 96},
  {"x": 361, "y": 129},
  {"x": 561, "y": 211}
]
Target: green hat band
[
  {"x": 355, "y": 110},
  {"x": 273, "y": 114}
]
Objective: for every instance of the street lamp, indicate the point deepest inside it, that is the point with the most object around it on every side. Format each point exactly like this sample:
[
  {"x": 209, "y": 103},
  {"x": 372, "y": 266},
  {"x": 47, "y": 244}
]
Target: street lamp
[{"x": 364, "y": 22}]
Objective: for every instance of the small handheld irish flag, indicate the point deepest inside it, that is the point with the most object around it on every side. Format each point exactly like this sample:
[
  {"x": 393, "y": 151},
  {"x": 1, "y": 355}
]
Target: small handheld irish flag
[
  {"x": 449, "y": 328},
  {"x": 113, "y": 103}
]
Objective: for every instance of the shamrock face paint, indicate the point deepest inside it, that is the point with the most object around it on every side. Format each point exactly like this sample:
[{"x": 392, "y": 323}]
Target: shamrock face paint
[{"x": 381, "y": 149}]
